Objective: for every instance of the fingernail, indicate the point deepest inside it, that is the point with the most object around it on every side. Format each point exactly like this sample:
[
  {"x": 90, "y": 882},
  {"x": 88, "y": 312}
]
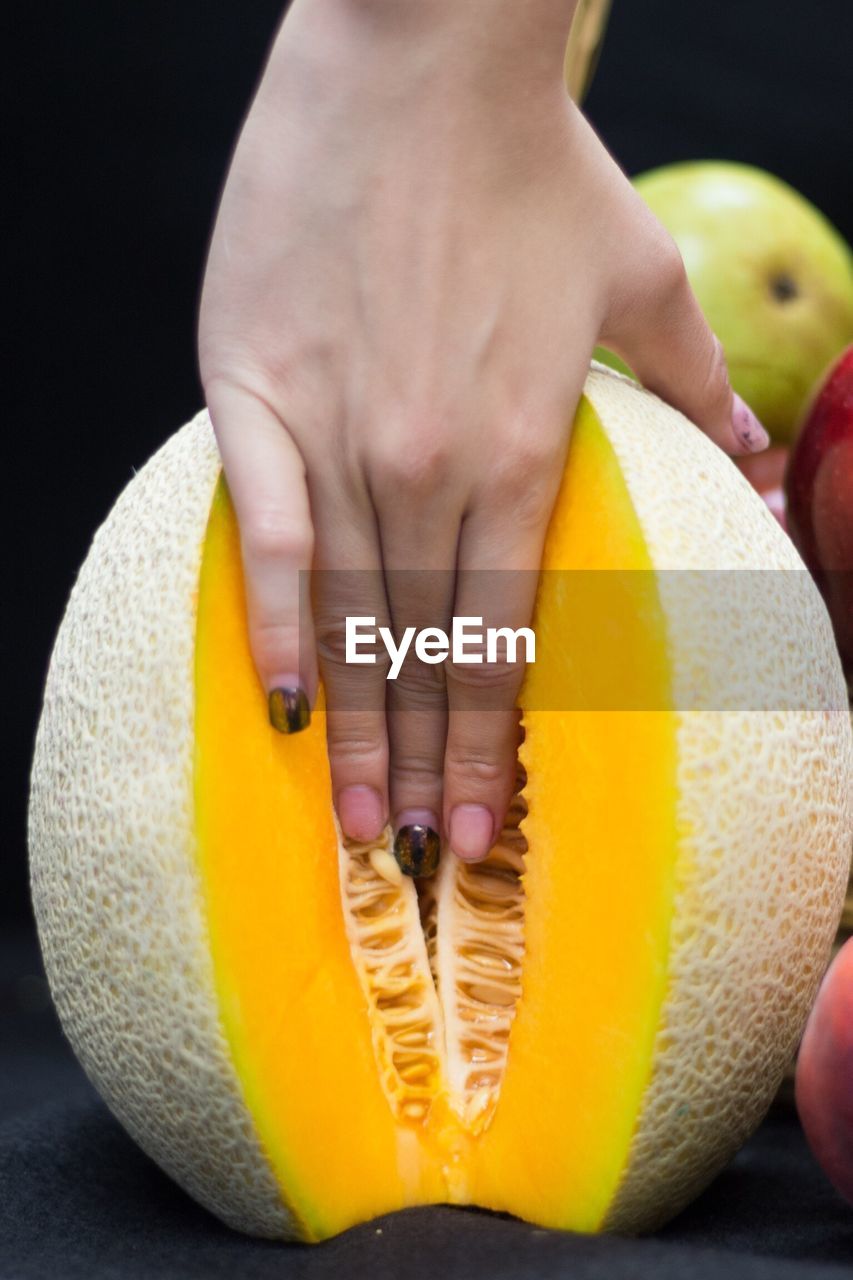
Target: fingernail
[
  {"x": 289, "y": 709},
  {"x": 747, "y": 428},
  {"x": 361, "y": 812},
  {"x": 416, "y": 848},
  {"x": 472, "y": 831}
]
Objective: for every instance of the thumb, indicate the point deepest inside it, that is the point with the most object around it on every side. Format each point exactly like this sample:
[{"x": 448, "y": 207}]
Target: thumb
[{"x": 664, "y": 337}]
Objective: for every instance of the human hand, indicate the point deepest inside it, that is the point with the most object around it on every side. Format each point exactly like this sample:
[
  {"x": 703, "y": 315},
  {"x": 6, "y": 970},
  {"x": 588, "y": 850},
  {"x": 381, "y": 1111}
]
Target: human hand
[{"x": 419, "y": 244}]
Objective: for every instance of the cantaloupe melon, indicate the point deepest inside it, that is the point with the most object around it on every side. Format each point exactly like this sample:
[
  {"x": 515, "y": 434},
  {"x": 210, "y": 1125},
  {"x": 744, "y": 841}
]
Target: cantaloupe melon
[{"x": 580, "y": 1030}]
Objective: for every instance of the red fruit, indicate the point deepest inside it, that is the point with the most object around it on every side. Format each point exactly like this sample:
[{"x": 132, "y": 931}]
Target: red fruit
[
  {"x": 824, "y": 1082},
  {"x": 819, "y": 490}
]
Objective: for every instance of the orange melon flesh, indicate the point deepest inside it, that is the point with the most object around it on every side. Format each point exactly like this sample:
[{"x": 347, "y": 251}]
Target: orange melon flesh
[
  {"x": 291, "y": 1005},
  {"x": 602, "y": 846},
  {"x": 599, "y": 876}
]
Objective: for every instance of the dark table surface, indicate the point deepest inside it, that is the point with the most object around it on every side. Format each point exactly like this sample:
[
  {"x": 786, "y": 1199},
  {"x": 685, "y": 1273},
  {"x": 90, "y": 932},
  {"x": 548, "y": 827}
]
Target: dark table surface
[{"x": 77, "y": 1198}]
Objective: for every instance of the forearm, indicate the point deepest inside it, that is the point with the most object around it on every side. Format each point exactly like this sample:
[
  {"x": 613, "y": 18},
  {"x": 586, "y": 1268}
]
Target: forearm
[{"x": 485, "y": 45}]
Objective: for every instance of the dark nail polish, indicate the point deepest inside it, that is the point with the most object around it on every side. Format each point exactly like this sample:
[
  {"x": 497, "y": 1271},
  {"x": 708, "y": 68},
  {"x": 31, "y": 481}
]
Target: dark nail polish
[
  {"x": 289, "y": 710},
  {"x": 416, "y": 849}
]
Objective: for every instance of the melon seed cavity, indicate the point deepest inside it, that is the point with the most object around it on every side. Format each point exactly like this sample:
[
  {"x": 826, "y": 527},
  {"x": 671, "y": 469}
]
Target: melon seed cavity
[{"x": 439, "y": 962}]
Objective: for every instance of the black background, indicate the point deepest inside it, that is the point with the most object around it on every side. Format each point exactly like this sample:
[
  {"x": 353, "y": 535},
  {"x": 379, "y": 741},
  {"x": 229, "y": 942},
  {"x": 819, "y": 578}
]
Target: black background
[{"x": 120, "y": 117}]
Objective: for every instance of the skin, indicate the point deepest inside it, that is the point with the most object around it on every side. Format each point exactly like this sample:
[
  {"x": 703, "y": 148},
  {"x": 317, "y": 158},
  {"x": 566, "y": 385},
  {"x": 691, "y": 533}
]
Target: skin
[{"x": 418, "y": 245}]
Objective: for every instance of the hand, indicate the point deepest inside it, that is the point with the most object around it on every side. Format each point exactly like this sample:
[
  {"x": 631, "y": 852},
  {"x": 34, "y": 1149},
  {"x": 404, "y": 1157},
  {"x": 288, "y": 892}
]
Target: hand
[{"x": 419, "y": 243}]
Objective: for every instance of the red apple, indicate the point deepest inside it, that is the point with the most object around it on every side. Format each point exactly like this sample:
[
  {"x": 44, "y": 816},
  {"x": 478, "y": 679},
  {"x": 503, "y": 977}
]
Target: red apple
[
  {"x": 766, "y": 473},
  {"x": 819, "y": 490},
  {"x": 824, "y": 1084}
]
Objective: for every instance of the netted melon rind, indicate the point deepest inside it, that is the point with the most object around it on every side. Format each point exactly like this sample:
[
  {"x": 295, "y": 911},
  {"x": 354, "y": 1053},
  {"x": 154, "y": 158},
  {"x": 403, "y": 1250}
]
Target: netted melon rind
[
  {"x": 116, "y": 891},
  {"x": 763, "y": 869}
]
